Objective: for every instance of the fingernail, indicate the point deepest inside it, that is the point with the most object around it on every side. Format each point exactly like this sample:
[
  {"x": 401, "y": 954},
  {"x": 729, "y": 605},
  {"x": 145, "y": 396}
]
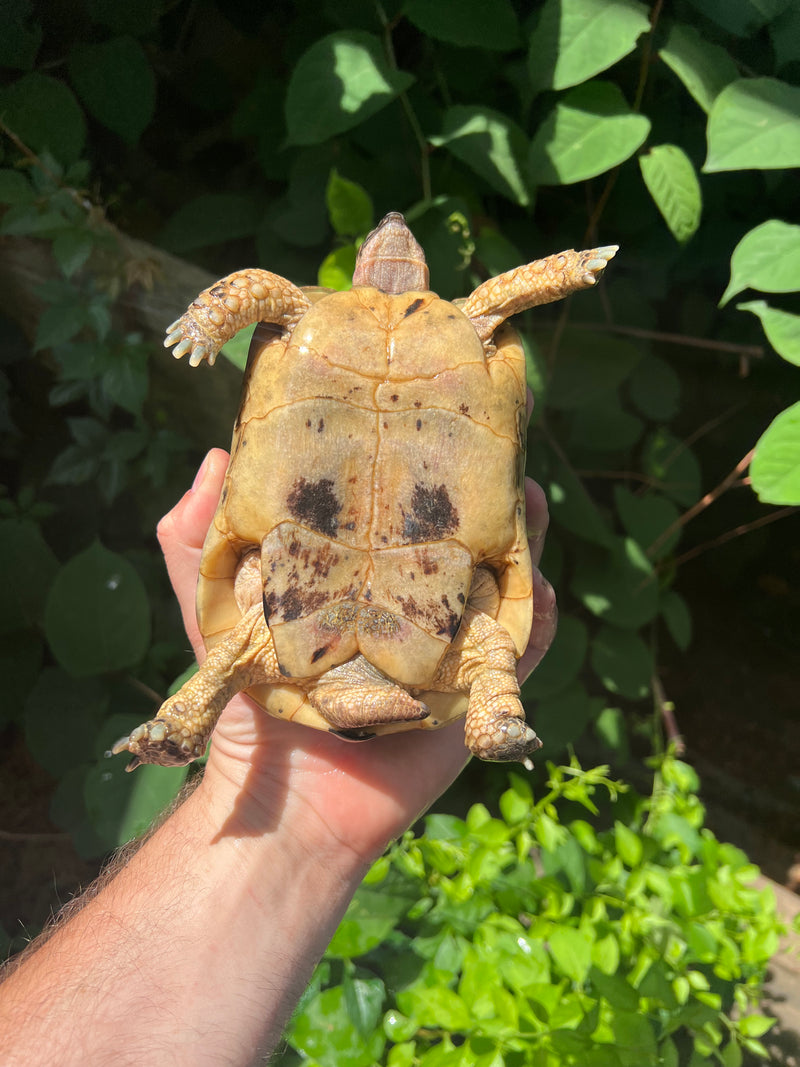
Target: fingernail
[{"x": 198, "y": 478}]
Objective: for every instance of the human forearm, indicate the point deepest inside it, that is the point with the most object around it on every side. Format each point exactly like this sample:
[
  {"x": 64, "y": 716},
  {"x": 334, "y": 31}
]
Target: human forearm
[{"x": 194, "y": 953}]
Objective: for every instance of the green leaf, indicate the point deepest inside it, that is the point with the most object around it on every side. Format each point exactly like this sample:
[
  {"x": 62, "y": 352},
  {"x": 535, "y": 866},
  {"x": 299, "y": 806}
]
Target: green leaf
[
  {"x": 587, "y": 366},
  {"x": 435, "y": 1006},
  {"x": 611, "y": 730},
  {"x": 336, "y": 269},
  {"x": 97, "y": 615},
  {"x": 617, "y": 586},
  {"x": 134, "y": 16},
  {"x": 756, "y": 1025},
  {"x": 678, "y": 619},
  {"x": 122, "y": 806},
  {"x": 704, "y": 68},
  {"x": 605, "y": 426},
  {"x": 740, "y": 17},
  {"x": 15, "y": 188},
  {"x": 59, "y": 323},
  {"x": 573, "y": 508},
  {"x": 589, "y": 131},
  {"x": 210, "y": 219},
  {"x": 655, "y": 388},
  {"x": 62, "y": 717},
  {"x": 21, "y": 36},
  {"x": 635, "y": 1040},
  {"x": 237, "y": 348},
  {"x": 781, "y": 327},
  {"x": 349, "y": 206},
  {"x": 371, "y": 916},
  {"x": 628, "y": 845},
  {"x": 490, "y": 24},
  {"x": 767, "y": 258},
  {"x": 775, "y": 469},
  {"x": 338, "y": 83},
  {"x": 45, "y": 115},
  {"x": 116, "y": 83},
  {"x": 563, "y": 661},
  {"x": 622, "y": 662},
  {"x": 646, "y": 516},
  {"x": 673, "y": 466},
  {"x": 671, "y": 181},
  {"x": 489, "y": 142},
  {"x": 575, "y": 39},
  {"x": 563, "y": 717},
  {"x": 754, "y": 124},
  {"x": 364, "y": 999},
  {"x": 572, "y": 951},
  {"x": 28, "y": 567},
  {"x": 71, "y": 249}
]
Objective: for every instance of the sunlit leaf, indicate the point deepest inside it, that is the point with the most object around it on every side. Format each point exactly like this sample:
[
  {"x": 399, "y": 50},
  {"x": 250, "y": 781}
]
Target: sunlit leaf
[
  {"x": 622, "y": 662},
  {"x": 767, "y": 258},
  {"x": 349, "y": 206},
  {"x": 590, "y": 130},
  {"x": 704, "y": 68},
  {"x": 781, "y": 327},
  {"x": 617, "y": 586},
  {"x": 754, "y": 124},
  {"x": 492, "y": 144},
  {"x": 573, "y": 40},
  {"x": 337, "y": 83},
  {"x": 775, "y": 470},
  {"x": 672, "y": 182}
]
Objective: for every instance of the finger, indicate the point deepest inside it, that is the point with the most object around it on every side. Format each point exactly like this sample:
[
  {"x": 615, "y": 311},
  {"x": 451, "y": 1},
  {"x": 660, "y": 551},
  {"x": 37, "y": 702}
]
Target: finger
[
  {"x": 182, "y": 531},
  {"x": 537, "y": 518},
  {"x": 543, "y": 629}
]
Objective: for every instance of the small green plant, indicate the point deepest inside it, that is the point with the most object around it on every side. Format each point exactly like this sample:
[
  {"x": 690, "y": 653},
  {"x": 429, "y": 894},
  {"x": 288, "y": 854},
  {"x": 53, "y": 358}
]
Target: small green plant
[{"x": 537, "y": 938}]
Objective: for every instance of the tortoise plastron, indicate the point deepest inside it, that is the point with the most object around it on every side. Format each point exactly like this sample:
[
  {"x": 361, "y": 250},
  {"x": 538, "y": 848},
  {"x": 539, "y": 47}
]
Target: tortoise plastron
[{"x": 367, "y": 568}]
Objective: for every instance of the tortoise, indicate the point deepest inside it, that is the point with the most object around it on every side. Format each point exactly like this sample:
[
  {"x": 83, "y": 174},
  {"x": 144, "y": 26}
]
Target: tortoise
[{"x": 367, "y": 569}]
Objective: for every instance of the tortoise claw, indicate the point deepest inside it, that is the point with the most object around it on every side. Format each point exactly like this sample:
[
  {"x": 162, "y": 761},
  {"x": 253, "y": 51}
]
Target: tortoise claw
[{"x": 160, "y": 742}]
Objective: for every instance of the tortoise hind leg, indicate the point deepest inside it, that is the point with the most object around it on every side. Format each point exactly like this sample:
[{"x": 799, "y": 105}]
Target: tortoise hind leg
[
  {"x": 180, "y": 731},
  {"x": 356, "y": 695},
  {"x": 483, "y": 660}
]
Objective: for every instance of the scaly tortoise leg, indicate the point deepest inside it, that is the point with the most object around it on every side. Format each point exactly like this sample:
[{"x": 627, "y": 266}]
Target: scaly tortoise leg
[
  {"x": 356, "y": 695},
  {"x": 482, "y": 659},
  {"x": 219, "y": 312},
  {"x": 540, "y": 282},
  {"x": 180, "y": 731}
]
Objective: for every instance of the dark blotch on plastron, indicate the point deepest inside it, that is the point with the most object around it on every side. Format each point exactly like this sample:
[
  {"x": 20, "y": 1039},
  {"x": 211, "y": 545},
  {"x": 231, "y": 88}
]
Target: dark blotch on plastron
[
  {"x": 314, "y": 504},
  {"x": 432, "y": 516},
  {"x": 415, "y": 305}
]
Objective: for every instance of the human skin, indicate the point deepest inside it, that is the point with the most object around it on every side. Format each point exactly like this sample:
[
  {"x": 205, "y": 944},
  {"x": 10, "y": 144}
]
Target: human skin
[{"x": 198, "y": 947}]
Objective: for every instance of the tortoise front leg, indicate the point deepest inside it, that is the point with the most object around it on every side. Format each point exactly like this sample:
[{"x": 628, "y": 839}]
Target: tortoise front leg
[
  {"x": 540, "y": 282},
  {"x": 180, "y": 731},
  {"x": 219, "y": 312}
]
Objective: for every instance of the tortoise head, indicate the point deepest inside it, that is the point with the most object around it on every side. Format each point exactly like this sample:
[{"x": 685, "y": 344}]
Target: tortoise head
[{"x": 390, "y": 259}]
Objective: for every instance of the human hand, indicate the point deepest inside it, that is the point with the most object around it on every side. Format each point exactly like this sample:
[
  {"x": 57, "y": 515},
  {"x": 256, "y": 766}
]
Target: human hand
[{"x": 262, "y": 771}]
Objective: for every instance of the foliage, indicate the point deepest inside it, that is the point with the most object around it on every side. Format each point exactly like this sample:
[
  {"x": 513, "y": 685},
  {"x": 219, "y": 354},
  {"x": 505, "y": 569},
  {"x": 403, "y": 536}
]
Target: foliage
[
  {"x": 537, "y": 938},
  {"x": 270, "y": 134}
]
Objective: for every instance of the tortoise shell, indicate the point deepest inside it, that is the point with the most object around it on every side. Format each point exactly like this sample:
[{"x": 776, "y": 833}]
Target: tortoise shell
[{"x": 369, "y": 547}]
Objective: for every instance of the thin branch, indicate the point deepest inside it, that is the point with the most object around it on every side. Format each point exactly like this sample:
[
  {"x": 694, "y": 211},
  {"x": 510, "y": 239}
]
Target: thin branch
[
  {"x": 413, "y": 121},
  {"x": 666, "y": 710},
  {"x": 738, "y": 531},
  {"x": 703, "y": 503},
  {"x": 7, "y": 835},
  {"x": 685, "y": 340}
]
